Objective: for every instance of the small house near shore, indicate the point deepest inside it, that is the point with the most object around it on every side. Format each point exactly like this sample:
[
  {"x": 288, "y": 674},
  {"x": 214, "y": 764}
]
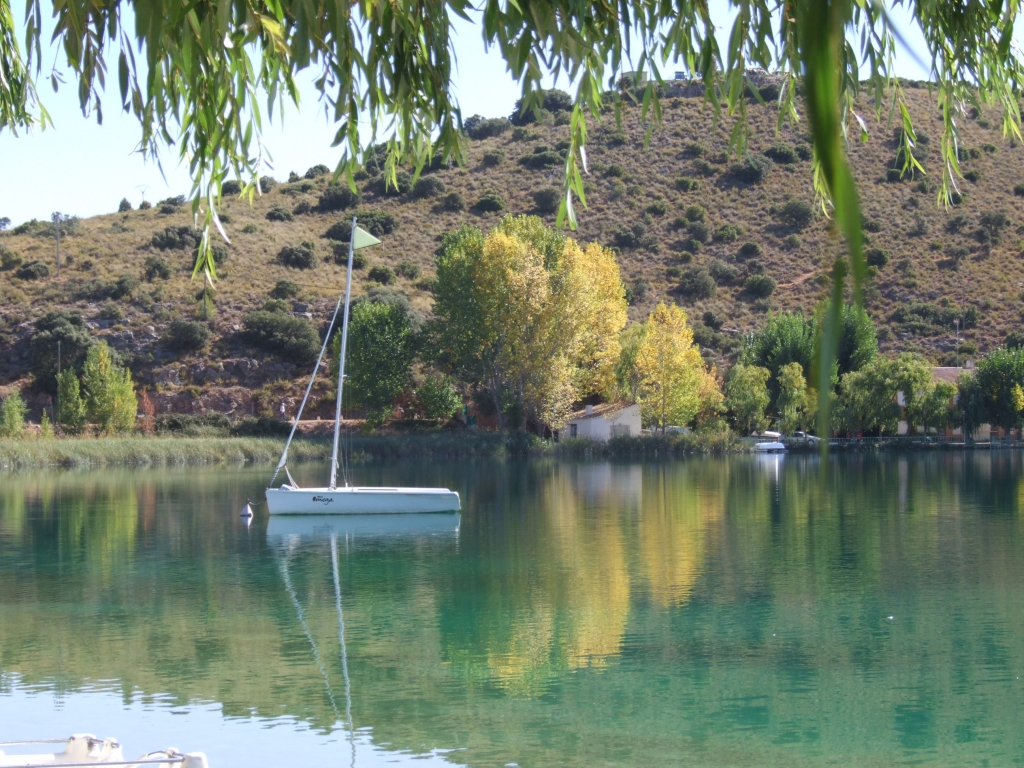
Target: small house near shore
[{"x": 603, "y": 422}]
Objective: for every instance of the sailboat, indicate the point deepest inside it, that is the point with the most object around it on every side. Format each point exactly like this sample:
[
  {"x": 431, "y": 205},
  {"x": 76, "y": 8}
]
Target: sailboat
[{"x": 291, "y": 499}]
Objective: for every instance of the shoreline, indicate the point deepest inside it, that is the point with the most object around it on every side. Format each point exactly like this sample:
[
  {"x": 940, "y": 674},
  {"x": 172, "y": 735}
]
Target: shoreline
[
  {"x": 181, "y": 451},
  {"x": 170, "y": 451}
]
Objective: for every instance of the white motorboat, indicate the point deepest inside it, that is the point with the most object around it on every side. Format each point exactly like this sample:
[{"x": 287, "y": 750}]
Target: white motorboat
[
  {"x": 85, "y": 749},
  {"x": 772, "y": 446},
  {"x": 290, "y": 499}
]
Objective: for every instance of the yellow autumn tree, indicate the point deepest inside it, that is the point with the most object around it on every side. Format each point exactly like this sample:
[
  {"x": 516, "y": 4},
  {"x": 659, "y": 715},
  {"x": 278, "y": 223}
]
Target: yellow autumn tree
[
  {"x": 530, "y": 316},
  {"x": 665, "y": 370}
]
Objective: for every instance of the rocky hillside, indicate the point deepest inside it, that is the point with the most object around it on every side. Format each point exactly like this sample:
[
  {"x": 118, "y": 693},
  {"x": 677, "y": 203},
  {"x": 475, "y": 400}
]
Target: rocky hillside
[{"x": 729, "y": 241}]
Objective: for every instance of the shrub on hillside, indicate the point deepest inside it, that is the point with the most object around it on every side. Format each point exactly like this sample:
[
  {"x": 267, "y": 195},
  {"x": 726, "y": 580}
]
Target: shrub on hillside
[
  {"x": 695, "y": 213},
  {"x": 712, "y": 320},
  {"x": 782, "y": 152},
  {"x": 696, "y": 148},
  {"x": 177, "y": 238},
  {"x": 341, "y": 256},
  {"x": 721, "y": 272},
  {"x": 186, "y": 335},
  {"x": 124, "y": 206},
  {"x": 759, "y": 286},
  {"x": 377, "y": 223},
  {"x": 290, "y": 338},
  {"x": 316, "y": 171},
  {"x": 1014, "y": 339},
  {"x": 637, "y": 291},
  {"x": 267, "y": 183},
  {"x": 749, "y": 251},
  {"x": 727, "y": 233},
  {"x": 338, "y": 197},
  {"x": 704, "y": 168},
  {"x": 894, "y": 175},
  {"x": 407, "y": 269},
  {"x": 382, "y": 274},
  {"x": 285, "y": 289},
  {"x": 453, "y": 202},
  {"x": 635, "y": 236},
  {"x": 428, "y": 186},
  {"x": 876, "y": 257},
  {"x": 804, "y": 151},
  {"x": 541, "y": 158},
  {"x": 231, "y": 187},
  {"x": 125, "y": 286},
  {"x": 384, "y": 186},
  {"x": 156, "y": 267},
  {"x": 304, "y": 207},
  {"x": 657, "y": 208},
  {"x": 547, "y": 199},
  {"x": 66, "y": 328},
  {"x": 490, "y": 202},
  {"x": 279, "y": 213},
  {"x": 753, "y": 169},
  {"x": 686, "y": 184},
  {"x": 553, "y": 100},
  {"x": 301, "y": 256},
  {"x": 8, "y": 259},
  {"x": 276, "y": 305},
  {"x": 697, "y": 283},
  {"x": 145, "y": 205},
  {"x": 478, "y": 127},
  {"x": 699, "y": 231},
  {"x": 796, "y": 214},
  {"x": 33, "y": 270},
  {"x": 494, "y": 158}
]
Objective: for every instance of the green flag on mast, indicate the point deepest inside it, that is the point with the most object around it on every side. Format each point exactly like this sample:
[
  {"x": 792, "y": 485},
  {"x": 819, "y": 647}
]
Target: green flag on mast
[{"x": 363, "y": 239}]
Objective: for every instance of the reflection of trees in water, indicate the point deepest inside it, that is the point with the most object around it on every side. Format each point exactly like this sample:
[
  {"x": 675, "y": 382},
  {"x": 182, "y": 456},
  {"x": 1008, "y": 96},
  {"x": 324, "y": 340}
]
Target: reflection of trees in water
[{"x": 720, "y": 602}]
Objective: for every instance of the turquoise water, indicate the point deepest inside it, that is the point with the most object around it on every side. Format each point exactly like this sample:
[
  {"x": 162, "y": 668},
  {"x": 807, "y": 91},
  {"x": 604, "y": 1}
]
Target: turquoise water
[{"x": 709, "y": 612}]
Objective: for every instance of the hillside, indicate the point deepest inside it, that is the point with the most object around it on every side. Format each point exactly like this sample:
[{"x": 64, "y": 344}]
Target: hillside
[{"x": 932, "y": 264}]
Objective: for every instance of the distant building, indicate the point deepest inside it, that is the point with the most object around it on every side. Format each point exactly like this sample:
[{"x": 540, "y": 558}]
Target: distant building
[{"x": 603, "y": 422}]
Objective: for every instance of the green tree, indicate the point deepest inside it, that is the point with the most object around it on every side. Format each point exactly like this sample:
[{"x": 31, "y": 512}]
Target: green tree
[
  {"x": 379, "y": 357},
  {"x": 438, "y": 396},
  {"x": 110, "y": 401},
  {"x": 12, "y": 415},
  {"x": 794, "y": 406},
  {"x": 868, "y": 398},
  {"x": 55, "y": 330},
  {"x": 746, "y": 397},
  {"x": 1000, "y": 380},
  {"x": 787, "y": 337},
  {"x": 937, "y": 409},
  {"x": 858, "y": 343},
  {"x": 70, "y": 407}
]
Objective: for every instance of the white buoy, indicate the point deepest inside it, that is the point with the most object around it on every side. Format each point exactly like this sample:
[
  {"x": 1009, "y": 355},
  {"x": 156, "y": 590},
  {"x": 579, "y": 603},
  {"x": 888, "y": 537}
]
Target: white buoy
[{"x": 246, "y": 511}]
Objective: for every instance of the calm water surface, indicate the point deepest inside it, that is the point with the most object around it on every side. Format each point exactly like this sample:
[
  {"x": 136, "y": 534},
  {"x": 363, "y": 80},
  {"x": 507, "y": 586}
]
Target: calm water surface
[{"x": 709, "y": 612}]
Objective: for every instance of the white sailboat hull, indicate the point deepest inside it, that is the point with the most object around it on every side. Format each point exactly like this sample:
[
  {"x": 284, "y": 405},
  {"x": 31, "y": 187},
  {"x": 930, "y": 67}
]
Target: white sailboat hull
[{"x": 360, "y": 501}]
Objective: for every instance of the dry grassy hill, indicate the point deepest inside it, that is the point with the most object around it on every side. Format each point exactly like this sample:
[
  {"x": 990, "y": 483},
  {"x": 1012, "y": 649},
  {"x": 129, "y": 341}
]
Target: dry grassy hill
[{"x": 938, "y": 261}]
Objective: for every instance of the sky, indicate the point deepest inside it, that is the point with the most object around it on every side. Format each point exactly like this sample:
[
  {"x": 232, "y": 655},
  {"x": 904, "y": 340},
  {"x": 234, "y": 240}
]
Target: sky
[{"x": 81, "y": 168}]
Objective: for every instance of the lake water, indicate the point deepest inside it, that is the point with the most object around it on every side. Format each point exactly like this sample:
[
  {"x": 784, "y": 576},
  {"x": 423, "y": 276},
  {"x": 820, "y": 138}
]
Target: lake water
[{"x": 766, "y": 611}]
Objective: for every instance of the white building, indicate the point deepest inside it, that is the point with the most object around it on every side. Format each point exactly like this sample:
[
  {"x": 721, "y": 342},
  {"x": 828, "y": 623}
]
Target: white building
[{"x": 603, "y": 422}]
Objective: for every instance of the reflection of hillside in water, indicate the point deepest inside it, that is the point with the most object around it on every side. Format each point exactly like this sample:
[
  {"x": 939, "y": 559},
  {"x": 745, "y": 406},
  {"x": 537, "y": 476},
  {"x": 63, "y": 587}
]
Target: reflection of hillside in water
[{"x": 728, "y": 609}]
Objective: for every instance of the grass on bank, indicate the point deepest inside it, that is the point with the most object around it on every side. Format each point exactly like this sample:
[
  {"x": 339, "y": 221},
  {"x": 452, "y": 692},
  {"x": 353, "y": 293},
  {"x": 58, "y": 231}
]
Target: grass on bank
[{"x": 181, "y": 451}]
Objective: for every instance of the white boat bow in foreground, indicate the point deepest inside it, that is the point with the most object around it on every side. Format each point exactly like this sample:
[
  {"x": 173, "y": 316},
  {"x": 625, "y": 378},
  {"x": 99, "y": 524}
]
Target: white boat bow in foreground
[{"x": 84, "y": 749}]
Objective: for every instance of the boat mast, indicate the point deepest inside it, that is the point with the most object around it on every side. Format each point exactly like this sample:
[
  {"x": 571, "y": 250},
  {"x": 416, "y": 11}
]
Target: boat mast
[{"x": 341, "y": 362}]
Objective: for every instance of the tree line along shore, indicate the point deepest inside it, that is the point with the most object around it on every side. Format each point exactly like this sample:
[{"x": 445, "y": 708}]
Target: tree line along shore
[{"x": 528, "y": 325}]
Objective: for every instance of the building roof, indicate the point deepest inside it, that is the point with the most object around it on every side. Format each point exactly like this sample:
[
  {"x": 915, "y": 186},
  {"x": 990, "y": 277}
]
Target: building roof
[
  {"x": 950, "y": 374},
  {"x": 603, "y": 410}
]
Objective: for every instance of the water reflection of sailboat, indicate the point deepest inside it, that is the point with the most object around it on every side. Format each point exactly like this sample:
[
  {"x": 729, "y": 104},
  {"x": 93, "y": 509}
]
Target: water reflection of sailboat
[
  {"x": 362, "y": 526},
  {"x": 290, "y": 532}
]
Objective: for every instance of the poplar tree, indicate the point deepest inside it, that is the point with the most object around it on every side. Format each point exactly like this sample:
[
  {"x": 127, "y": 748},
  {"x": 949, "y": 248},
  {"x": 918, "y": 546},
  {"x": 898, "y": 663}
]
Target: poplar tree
[
  {"x": 12, "y": 415},
  {"x": 110, "y": 401},
  {"x": 70, "y": 407}
]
